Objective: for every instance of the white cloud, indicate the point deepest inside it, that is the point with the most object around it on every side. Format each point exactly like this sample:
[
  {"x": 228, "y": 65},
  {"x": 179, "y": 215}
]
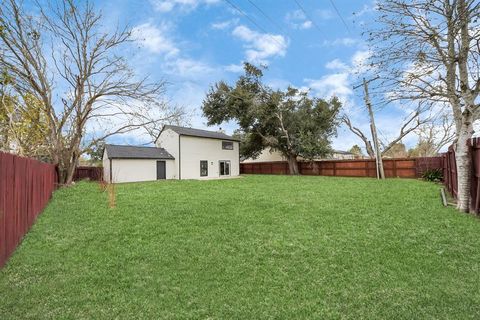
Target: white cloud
[
  {"x": 336, "y": 64},
  {"x": 158, "y": 39},
  {"x": 222, "y": 25},
  {"x": 348, "y": 42},
  {"x": 185, "y": 5},
  {"x": 336, "y": 84},
  {"x": 339, "y": 82},
  {"x": 297, "y": 20},
  {"x": 188, "y": 68},
  {"x": 360, "y": 60},
  {"x": 279, "y": 83},
  {"x": 261, "y": 46},
  {"x": 155, "y": 38},
  {"x": 366, "y": 9},
  {"x": 235, "y": 68}
]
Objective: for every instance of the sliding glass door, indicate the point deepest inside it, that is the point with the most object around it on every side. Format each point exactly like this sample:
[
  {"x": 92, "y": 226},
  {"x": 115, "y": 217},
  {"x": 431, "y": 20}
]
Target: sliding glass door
[{"x": 224, "y": 167}]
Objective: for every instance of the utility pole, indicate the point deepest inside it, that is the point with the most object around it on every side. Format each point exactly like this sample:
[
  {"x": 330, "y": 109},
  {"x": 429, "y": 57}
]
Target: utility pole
[{"x": 373, "y": 129}]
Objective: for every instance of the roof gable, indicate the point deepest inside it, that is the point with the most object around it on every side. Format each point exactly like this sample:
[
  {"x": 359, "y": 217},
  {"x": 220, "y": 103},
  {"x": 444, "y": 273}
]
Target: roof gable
[
  {"x": 134, "y": 152},
  {"x": 199, "y": 133}
]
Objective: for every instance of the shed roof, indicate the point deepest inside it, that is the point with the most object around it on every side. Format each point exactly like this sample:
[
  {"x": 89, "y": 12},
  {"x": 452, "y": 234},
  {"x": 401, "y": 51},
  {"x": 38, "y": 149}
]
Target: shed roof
[
  {"x": 200, "y": 133},
  {"x": 135, "y": 152}
]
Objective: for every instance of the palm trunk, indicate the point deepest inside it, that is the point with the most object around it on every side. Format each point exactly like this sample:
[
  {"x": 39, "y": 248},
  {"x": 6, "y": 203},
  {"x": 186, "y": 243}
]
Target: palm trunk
[
  {"x": 293, "y": 164},
  {"x": 464, "y": 167}
]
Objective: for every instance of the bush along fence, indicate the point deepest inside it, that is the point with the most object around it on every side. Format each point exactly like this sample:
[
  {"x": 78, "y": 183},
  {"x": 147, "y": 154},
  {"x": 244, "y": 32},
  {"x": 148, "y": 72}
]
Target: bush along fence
[
  {"x": 26, "y": 186},
  {"x": 450, "y": 174},
  {"x": 398, "y": 167}
]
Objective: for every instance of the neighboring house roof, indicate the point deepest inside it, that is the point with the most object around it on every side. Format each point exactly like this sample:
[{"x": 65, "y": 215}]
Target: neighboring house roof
[
  {"x": 342, "y": 152},
  {"x": 133, "y": 152},
  {"x": 199, "y": 133}
]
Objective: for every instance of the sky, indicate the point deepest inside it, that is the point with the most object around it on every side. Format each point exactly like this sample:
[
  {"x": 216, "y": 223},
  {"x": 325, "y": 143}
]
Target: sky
[{"x": 304, "y": 43}]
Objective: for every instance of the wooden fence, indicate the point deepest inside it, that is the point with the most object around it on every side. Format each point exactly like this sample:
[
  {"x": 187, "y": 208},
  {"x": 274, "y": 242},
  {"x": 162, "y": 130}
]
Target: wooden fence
[
  {"x": 450, "y": 173},
  {"x": 399, "y": 167},
  {"x": 90, "y": 173},
  {"x": 26, "y": 186}
]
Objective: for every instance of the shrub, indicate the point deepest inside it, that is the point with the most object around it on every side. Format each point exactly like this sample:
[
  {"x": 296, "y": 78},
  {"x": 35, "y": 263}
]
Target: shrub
[{"x": 434, "y": 175}]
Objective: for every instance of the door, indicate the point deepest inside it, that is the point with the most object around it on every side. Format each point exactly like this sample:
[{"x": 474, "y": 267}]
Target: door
[
  {"x": 161, "y": 174},
  {"x": 224, "y": 167}
]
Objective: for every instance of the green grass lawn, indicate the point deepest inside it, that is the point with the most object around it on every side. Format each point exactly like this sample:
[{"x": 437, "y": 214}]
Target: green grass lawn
[{"x": 252, "y": 248}]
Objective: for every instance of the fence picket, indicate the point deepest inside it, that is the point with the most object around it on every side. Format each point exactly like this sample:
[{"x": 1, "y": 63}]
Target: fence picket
[
  {"x": 26, "y": 186},
  {"x": 399, "y": 167}
]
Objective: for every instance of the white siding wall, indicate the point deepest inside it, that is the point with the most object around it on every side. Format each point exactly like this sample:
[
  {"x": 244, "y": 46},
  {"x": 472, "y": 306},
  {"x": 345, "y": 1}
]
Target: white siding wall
[
  {"x": 266, "y": 155},
  {"x": 106, "y": 167},
  {"x": 131, "y": 170},
  {"x": 194, "y": 149},
  {"x": 168, "y": 140}
]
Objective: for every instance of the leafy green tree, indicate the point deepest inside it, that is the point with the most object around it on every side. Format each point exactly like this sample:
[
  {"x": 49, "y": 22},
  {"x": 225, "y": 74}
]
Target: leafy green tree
[
  {"x": 289, "y": 121},
  {"x": 23, "y": 126},
  {"x": 356, "y": 150},
  {"x": 95, "y": 152},
  {"x": 398, "y": 150},
  {"x": 248, "y": 145}
]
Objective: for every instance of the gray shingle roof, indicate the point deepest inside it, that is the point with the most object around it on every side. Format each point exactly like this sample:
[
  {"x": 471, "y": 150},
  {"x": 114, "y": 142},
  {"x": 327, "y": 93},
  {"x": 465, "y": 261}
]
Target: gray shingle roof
[
  {"x": 134, "y": 152},
  {"x": 200, "y": 133},
  {"x": 341, "y": 152}
]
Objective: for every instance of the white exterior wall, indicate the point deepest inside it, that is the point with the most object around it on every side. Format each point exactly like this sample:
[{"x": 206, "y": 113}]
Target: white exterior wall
[
  {"x": 343, "y": 156},
  {"x": 194, "y": 149},
  {"x": 132, "y": 170},
  {"x": 168, "y": 140},
  {"x": 106, "y": 167},
  {"x": 266, "y": 155}
]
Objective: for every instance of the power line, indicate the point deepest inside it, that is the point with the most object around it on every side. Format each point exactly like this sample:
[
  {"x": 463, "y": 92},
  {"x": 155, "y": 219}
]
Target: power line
[
  {"x": 275, "y": 23},
  {"x": 308, "y": 16},
  {"x": 341, "y": 18},
  {"x": 254, "y": 22}
]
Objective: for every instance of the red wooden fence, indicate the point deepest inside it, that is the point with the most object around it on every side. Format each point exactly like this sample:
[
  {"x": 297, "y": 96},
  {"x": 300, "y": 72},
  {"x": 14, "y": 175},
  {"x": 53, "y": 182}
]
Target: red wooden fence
[
  {"x": 26, "y": 185},
  {"x": 450, "y": 173},
  {"x": 399, "y": 167},
  {"x": 90, "y": 173}
]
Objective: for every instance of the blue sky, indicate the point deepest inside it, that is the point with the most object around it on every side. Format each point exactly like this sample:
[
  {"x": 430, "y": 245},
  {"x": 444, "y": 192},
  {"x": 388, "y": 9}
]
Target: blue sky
[{"x": 194, "y": 43}]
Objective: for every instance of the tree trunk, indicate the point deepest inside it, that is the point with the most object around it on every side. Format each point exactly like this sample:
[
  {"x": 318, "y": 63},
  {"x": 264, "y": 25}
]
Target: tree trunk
[
  {"x": 464, "y": 166},
  {"x": 70, "y": 172},
  {"x": 293, "y": 164},
  {"x": 66, "y": 168},
  {"x": 370, "y": 152}
]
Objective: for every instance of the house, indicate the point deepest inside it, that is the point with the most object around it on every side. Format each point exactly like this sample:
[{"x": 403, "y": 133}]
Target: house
[
  {"x": 179, "y": 153},
  {"x": 269, "y": 155}
]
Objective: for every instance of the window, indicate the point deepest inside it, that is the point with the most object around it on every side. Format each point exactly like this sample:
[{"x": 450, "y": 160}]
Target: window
[
  {"x": 227, "y": 145},
  {"x": 203, "y": 168},
  {"x": 224, "y": 168}
]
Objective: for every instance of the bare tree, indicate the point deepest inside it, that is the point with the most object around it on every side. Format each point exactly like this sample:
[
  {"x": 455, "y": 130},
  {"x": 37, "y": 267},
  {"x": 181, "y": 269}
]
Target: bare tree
[
  {"x": 412, "y": 122},
  {"x": 435, "y": 135},
  {"x": 429, "y": 51},
  {"x": 359, "y": 133},
  {"x": 70, "y": 62}
]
